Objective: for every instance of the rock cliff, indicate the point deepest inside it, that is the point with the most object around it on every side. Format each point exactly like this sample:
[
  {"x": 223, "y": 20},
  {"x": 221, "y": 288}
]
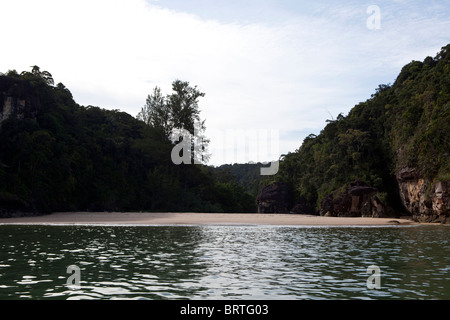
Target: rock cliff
[
  {"x": 274, "y": 198},
  {"x": 356, "y": 200},
  {"x": 16, "y": 99},
  {"x": 426, "y": 201},
  {"x": 12, "y": 207},
  {"x": 397, "y": 141}
]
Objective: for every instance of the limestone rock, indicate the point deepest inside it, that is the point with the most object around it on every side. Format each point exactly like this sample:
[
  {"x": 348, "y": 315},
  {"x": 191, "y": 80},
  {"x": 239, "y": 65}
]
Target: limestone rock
[
  {"x": 12, "y": 207},
  {"x": 274, "y": 198},
  {"x": 426, "y": 201},
  {"x": 302, "y": 206},
  {"x": 16, "y": 99},
  {"x": 356, "y": 200}
]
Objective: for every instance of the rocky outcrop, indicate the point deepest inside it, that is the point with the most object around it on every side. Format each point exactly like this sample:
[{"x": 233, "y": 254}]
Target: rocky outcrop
[
  {"x": 13, "y": 207},
  {"x": 15, "y": 99},
  {"x": 302, "y": 206},
  {"x": 426, "y": 201},
  {"x": 275, "y": 198},
  {"x": 356, "y": 200}
]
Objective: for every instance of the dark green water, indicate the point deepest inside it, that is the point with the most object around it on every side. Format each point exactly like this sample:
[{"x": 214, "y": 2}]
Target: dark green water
[{"x": 224, "y": 262}]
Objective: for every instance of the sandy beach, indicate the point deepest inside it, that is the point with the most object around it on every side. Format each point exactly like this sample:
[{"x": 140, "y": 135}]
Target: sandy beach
[{"x": 125, "y": 218}]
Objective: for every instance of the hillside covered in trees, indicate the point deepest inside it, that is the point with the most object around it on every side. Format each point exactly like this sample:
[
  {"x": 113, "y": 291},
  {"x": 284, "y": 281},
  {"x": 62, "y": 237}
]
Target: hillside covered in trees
[
  {"x": 56, "y": 155},
  {"x": 398, "y": 142}
]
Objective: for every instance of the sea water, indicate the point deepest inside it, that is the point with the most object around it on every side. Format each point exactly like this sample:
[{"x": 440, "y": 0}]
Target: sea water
[{"x": 224, "y": 262}]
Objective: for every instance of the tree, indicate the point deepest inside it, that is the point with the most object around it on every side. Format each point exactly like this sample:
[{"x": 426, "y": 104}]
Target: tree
[
  {"x": 177, "y": 116},
  {"x": 183, "y": 105},
  {"x": 199, "y": 144},
  {"x": 41, "y": 75},
  {"x": 13, "y": 74},
  {"x": 61, "y": 156},
  {"x": 156, "y": 112}
]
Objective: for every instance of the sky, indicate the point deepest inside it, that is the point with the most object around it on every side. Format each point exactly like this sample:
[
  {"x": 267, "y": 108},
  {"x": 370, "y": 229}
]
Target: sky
[{"x": 273, "y": 71}]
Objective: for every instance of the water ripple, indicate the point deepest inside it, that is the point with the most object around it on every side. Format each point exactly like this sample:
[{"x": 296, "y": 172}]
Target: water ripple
[{"x": 224, "y": 262}]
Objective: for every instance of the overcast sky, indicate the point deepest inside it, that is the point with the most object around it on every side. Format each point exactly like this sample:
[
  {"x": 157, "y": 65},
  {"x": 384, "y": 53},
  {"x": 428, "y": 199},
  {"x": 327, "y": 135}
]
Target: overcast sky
[{"x": 267, "y": 66}]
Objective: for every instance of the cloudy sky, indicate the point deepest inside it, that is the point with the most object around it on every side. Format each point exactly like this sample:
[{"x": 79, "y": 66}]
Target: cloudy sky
[{"x": 269, "y": 68}]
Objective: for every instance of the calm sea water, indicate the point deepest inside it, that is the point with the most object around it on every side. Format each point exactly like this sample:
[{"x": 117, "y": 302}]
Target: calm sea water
[{"x": 224, "y": 262}]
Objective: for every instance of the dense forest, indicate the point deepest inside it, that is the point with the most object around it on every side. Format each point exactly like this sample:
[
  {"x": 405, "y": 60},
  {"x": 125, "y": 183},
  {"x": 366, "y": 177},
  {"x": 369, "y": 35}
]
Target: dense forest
[
  {"x": 403, "y": 125},
  {"x": 56, "y": 155},
  {"x": 248, "y": 175}
]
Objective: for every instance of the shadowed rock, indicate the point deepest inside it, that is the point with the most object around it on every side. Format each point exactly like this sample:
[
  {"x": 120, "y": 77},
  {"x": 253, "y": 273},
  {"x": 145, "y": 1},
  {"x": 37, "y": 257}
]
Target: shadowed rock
[
  {"x": 275, "y": 198},
  {"x": 356, "y": 200},
  {"x": 16, "y": 99}
]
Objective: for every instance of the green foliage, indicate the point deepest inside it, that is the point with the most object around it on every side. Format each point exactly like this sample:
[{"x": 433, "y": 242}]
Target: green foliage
[
  {"x": 421, "y": 134},
  {"x": 57, "y": 156},
  {"x": 404, "y": 124},
  {"x": 60, "y": 156},
  {"x": 38, "y": 76},
  {"x": 156, "y": 113},
  {"x": 175, "y": 112},
  {"x": 248, "y": 175}
]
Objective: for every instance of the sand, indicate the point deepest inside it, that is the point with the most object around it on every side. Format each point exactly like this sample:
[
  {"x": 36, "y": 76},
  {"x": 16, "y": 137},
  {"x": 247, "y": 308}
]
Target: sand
[{"x": 155, "y": 219}]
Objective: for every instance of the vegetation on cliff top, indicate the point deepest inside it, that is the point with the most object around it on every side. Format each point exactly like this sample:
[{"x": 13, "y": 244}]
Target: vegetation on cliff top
[
  {"x": 56, "y": 155},
  {"x": 59, "y": 156},
  {"x": 406, "y": 124}
]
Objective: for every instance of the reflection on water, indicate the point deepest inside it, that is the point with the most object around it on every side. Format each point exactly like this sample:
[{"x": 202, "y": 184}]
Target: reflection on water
[{"x": 224, "y": 262}]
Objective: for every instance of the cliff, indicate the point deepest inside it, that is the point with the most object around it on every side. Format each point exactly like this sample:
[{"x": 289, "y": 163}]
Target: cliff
[
  {"x": 274, "y": 198},
  {"x": 397, "y": 142},
  {"x": 56, "y": 155},
  {"x": 357, "y": 200},
  {"x": 16, "y": 99},
  {"x": 425, "y": 201}
]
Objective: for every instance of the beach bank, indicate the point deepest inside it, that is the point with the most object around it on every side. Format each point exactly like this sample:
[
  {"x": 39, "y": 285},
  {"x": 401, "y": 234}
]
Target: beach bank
[{"x": 152, "y": 218}]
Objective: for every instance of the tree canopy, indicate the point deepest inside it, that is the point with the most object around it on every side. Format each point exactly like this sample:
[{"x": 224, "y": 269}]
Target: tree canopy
[
  {"x": 405, "y": 124},
  {"x": 176, "y": 112},
  {"x": 56, "y": 155}
]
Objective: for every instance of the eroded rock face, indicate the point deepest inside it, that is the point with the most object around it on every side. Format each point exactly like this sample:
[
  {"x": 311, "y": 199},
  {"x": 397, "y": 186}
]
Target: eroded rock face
[
  {"x": 16, "y": 99},
  {"x": 357, "y": 200},
  {"x": 427, "y": 202},
  {"x": 274, "y": 198},
  {"x": 302, "y": 206},
  {"x": 441, "y": 199},
  {"x": 13, "y": 207}
]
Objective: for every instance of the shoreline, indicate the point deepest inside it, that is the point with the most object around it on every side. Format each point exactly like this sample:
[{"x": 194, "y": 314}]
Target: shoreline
[{"x": 199, "y": 219}]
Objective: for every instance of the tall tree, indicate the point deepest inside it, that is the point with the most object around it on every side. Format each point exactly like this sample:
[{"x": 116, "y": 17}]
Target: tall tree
[
  {"x": 176, "y": 114},
  {"x": 183, "y": 105},
  {"x": 156, "y": 112},
  {"x": 42, "y": 75}
]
